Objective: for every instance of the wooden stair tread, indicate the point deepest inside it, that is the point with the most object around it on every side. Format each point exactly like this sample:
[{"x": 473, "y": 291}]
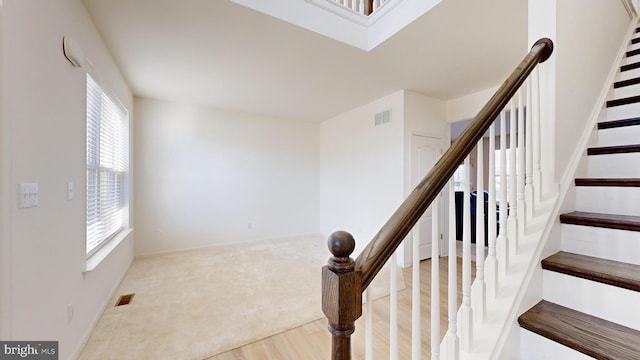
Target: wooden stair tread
[
  {"x": 630, "y": 66},
  {"x": 585, "y": 333},
  {"x": 635, "y": 40},
  {"x": 615, "y": 182},
  {"x": 628, "y": 82},
  {"x": 621, "y": 222},
  {"x": 605, "y": 271},
  {"x": 619, "y": 123},
  {"x": 624, "y": 101},
  {"x": 620, "y": 149},
  {"x": 631, "y": 53}
]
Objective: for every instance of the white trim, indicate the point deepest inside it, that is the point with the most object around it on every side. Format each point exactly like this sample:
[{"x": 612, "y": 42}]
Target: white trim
[
  {"x": 382, "y": 11},
  {"x": 631, "y": 8},
  {"x": 227, "y": 243},
  {"x": 339, "y": 10},
  {"x": 354, "y": 16},
  {"x": 96, "y": 258}
]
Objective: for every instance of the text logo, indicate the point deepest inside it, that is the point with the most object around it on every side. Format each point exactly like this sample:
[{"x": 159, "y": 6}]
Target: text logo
[{"x": 30, "y": 350}]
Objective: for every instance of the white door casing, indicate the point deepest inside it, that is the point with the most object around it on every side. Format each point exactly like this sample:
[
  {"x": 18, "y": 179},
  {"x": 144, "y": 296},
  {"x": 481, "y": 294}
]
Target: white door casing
[{"x": 425, "y": 151}]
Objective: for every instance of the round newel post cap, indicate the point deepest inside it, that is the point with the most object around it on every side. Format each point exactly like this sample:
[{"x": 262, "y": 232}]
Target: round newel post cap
[{"x": 341, "y": 244}]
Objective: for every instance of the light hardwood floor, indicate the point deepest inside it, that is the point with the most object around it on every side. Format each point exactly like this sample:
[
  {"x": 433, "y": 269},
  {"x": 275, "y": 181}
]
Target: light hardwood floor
[{"x": 312, "y": 341}]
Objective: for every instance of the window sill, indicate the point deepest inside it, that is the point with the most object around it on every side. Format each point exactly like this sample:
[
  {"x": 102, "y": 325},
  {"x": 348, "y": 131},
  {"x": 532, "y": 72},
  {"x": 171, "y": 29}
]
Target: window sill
[{"x": 94, "y": 260}]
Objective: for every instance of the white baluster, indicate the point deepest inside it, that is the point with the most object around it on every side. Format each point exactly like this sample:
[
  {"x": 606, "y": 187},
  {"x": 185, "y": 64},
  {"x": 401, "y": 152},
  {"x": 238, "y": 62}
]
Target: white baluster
[
  {"x": 451, "y": 338},
  {"x": 513, "y": 212},
  {"x": 537, "y": 177},
  {"x": 528, "y": 187},
  {"x": 354, "y": 5},
  {"x": 520, "y": 176},
  {"x": 492, "y": 261},
  {"x": 435, "y": 280},
  {"x": 393, "y": 313},
  {"x": 416, "y": 337},
  {"x": 361, "y": 6},
  {"x": 548, "y": 133},
  {"x": 502, "y": 241},
  {"x": 466, "y": 320},
  {"x": 368, "y": 325},
  {"x": 478, "y": 291}
]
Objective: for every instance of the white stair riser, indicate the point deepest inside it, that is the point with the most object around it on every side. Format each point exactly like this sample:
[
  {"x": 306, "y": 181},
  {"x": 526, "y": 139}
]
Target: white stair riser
[
  {"x": 633, "y": 46},
  {"x": 626, "y": 75},
  {"x": 608, "y": 199},
  {"x": 610, "y": 244},
  {"x": 536, "y": 347},
  {"x": 623, "y": 111},
  {"x": 625, "y": 91},
  {"x": 630, "y": 60},
  {"x": 625, "y": 135},
  {"x": 614, "y": 165},
  {"x": 604, "y": 301}
]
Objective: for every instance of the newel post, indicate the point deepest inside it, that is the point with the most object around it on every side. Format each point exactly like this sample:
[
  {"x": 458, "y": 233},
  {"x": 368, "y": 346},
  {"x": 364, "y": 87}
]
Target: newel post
[{"x": 341, "y": 294}]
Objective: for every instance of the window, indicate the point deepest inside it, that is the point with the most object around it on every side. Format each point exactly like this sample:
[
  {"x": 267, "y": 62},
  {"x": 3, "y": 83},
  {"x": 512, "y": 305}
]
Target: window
[
  {"x": 458, "y": 179},
  {"x": 107, "y": 166},
  {"x": 458, "y": 176}
]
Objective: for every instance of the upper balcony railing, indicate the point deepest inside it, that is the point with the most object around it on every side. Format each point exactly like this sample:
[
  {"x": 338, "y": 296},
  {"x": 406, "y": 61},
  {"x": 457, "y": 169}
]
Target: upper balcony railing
[{"x": 364, "y": 7}]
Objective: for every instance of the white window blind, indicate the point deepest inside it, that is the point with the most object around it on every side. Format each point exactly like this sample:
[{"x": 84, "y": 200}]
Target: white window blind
[{"x": 107, "y": 166}]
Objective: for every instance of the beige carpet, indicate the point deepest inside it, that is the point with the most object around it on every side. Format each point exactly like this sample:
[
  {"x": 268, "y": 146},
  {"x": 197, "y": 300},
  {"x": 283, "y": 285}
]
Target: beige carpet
[{"x": 195, "y": 304}]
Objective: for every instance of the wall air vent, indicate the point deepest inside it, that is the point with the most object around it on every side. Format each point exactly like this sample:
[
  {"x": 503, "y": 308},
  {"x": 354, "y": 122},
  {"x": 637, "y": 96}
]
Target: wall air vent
[
  {"x": 382, "y": 117},
  {"x": 125, "y": 299}
]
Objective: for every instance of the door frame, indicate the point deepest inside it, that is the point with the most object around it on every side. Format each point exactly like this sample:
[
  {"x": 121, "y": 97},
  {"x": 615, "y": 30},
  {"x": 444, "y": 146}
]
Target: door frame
[{"x": 443, "y": 210}]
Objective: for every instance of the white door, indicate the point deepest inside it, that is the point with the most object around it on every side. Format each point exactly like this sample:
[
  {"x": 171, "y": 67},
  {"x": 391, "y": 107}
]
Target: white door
[{"x": 425, "y": 151}]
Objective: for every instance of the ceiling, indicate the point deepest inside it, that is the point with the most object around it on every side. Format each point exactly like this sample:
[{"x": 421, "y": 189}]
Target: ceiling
[{"x": 219, "y": 54}]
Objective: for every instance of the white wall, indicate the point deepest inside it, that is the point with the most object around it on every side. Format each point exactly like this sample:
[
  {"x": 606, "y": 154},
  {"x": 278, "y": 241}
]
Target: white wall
[
  {"x": 588, "y": 38},
  {"x": 44, "y": 117},
  {"x": 361, "y": 169},
  {"x": 365, "y": 170},
  {"x": 208, "y": 177},
  {"x": 467, "y": 107}
]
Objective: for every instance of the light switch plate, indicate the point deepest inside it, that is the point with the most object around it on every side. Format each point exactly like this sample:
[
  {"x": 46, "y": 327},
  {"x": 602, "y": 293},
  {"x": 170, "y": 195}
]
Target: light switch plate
[{"x": 28, "y": 195}]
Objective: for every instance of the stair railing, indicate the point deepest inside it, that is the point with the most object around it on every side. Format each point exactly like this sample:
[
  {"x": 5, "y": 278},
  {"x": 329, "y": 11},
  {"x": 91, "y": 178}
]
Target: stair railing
[
  {"x": 364, "y": 7},
  {"x": 345, "y": 280}
]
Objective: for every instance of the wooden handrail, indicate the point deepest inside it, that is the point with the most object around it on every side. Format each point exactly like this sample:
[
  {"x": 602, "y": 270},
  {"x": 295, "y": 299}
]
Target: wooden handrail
[
  {"x": 382, "y": 246},
  {"x": 343, "y": 279}
]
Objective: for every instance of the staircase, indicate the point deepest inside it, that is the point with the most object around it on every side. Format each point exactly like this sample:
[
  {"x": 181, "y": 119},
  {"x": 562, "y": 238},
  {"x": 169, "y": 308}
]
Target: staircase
[{"x": 591, "y": 289}]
